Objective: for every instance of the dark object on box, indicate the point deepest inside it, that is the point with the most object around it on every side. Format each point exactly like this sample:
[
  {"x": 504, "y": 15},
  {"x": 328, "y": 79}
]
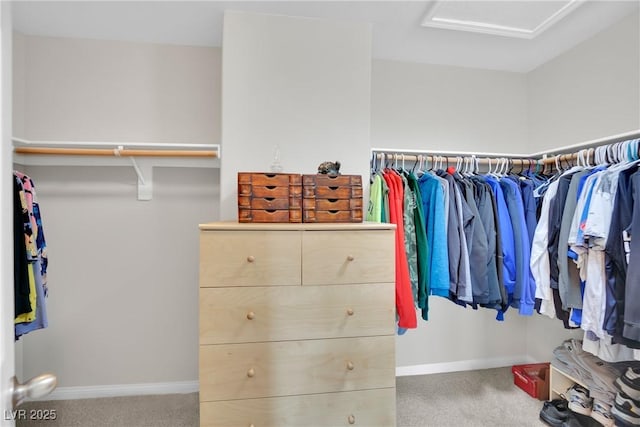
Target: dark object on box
[
  {"x": 330, "y": 168},
  {"x": 331, "y": 198},
  {"x": 533, "y": 379},
  {"x": 269, "y": 197}
]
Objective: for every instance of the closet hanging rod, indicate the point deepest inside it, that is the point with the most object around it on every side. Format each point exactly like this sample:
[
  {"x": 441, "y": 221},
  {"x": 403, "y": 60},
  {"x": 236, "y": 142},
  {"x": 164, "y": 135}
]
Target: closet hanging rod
[
  {"x": 448, "y": 153},
  {"x": 117, "y": 152},
  {"x": 114, "y": 144},
  {"x": 565, "y": 150},
  {"x": 634, "y": 134}
]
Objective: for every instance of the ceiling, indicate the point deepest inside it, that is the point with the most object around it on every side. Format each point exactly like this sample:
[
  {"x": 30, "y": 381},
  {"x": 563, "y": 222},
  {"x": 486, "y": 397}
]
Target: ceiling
[{"x": 536, "y": 31}]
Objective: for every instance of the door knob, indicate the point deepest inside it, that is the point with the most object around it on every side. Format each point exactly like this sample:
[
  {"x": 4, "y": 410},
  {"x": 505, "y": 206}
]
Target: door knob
[{"x": 34, "y": 388}]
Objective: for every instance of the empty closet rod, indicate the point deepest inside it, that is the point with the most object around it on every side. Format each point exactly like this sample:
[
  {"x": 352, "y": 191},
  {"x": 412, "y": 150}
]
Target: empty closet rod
[
  {"x": 68, "y": 144},
  {"x": 118, "y": 152}
]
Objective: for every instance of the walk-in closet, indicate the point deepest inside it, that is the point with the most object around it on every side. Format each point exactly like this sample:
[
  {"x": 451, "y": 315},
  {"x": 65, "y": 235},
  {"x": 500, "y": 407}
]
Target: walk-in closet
[{"x": 125, "y": 126}]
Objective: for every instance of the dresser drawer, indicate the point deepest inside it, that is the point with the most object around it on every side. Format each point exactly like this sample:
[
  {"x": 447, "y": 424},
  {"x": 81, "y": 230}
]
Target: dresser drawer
[
  {"x": 279, "y": 313},
  {"x": 348, "y": 257},
  {"x": 285, "y": 368},
  {"x": 249, "y": 258},
  {"x": 371, "y": 408}
]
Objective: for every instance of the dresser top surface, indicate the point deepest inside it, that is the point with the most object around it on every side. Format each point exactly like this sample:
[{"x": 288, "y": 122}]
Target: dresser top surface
[{"x": 233, "y": 225}]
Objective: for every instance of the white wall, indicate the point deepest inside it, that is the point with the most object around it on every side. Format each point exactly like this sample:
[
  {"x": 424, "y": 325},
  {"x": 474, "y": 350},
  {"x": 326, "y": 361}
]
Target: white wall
[
  {"x": 303, "y": 84},
  {"x": 423, "y": 106},
  {"x": 589, "y": 92},
  {"x": 437, "y": 107},
  {"x": 123, "y": 274},
  {"x": 7, "y": 357}
]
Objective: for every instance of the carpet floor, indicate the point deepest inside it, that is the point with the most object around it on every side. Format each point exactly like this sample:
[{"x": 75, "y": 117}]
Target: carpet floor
[{"x": 473, "y": 398}]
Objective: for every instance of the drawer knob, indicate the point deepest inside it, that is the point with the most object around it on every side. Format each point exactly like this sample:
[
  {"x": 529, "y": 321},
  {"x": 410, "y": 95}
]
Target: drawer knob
[
  {"x": 251, "y": 315},
  {"x": 251, "y": 258},
  {"x": 350, "y": 311},
  {"x": 251, "y": 425},
  {"x": 251, "y": 373},
  {"x": 351, "y": 419},
  {"x": 350, "y": 257},
  {"x": 350, "y": 365}
]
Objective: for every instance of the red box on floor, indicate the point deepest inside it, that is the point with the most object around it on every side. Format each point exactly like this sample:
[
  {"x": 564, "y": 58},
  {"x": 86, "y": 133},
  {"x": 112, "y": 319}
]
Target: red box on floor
[{"x": 533, "y": 379}]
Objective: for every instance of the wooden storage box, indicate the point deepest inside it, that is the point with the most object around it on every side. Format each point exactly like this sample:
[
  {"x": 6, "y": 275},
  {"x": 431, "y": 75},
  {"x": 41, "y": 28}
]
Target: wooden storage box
[
  {"x": 331, "y": 198},
  {"x": 533, "y": 379},
  {"x": 269, "y": 197}
]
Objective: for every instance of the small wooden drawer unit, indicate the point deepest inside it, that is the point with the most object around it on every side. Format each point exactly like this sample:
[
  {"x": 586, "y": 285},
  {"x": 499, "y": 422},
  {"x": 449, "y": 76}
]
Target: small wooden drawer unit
[
  {"x": 297, "y": 325},
  {"x": 331, "y": 198},
  {"x": 269, "y": 197}
]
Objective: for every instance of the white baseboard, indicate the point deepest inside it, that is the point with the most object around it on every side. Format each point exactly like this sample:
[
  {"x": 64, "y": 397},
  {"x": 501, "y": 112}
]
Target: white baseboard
[
  {"x": 91, "y": 392},
  {"x": 461, "y": 365},
  {"x": 181, "y": 387}
]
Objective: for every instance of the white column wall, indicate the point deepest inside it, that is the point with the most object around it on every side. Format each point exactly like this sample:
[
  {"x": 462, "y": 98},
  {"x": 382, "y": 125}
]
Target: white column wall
[{"x": 302, "y": 84}]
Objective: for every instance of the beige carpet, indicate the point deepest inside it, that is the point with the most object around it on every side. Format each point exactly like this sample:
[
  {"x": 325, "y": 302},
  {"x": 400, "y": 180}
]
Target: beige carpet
[
  {"x": 475, "y": 398},
  {"x": 462, "y": 399}
]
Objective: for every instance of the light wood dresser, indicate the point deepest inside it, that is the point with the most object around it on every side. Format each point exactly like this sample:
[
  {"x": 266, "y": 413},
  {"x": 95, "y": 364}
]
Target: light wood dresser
[{"x": 297, "y": 325}]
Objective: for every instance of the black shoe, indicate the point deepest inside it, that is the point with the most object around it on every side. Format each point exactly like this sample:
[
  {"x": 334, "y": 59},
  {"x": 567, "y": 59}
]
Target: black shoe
[
  {"x": 629, "y": 383},
  {"x": 572, "y": 421},
  {"x": 625, "y": 411},
  {"x": 554, "y": 412}
]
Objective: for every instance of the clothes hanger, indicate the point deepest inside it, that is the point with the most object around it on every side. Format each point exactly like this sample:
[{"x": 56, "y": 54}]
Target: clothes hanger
[
  {"x": 373, "y": 167},
  {"x": 417, "y": 166},
  {"x": 490, "y": 171}
]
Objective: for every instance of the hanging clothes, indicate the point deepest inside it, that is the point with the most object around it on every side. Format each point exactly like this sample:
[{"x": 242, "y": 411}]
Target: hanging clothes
[
  {"x": 435, "y": 212},
  {"x": 456, "y": 237},
  {"x": 422, "y": 245},
  {"x": 30, "y": 259},
  {"x": 404, "y": 298}
]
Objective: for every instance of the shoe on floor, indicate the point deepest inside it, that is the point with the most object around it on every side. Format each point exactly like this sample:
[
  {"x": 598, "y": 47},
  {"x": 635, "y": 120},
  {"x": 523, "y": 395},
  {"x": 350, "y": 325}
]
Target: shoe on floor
[
  {"x": 601, "y": 412},
  {"x": 625, "y": 411},
  {"x": 579, "y": 400},
  {"x": 572, "y": 421},
  {"x": 629, "y": 383},
  {"x": 554, "y": 412}
]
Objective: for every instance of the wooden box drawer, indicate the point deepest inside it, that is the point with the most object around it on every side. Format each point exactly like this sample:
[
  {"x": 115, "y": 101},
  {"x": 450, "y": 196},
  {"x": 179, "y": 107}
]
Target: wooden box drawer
[
  {"x": 332, "y": 180},
  {"x": 285, "y": 368},
  {"x": 269, "y": 197},
  {"x": 348, "y": 257},
  {"x": 236, "y": 315},
  {"x": 312, "y": 216},
  {"x": 266, "y": 179},
  {"x": 293, "y": 193},
  {"x": 323, "y": 192},
  {"x": 269, "y": 215},
  {"x": 249, "y": 258},
  {"x": 269, "y": 203},
  {"x": 332, "y": 186},
  {"x": 332, "y": 204},
  {"x": 328, "y": 198},
  {"x": 371, "y": 408}
]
